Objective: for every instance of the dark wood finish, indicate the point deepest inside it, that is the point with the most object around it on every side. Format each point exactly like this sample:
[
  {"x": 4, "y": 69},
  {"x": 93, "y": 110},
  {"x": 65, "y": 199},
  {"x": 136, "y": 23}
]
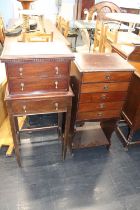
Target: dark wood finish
[
  {"x": 84, "y": 137},
  {"x": 100, "y": 83},
  {"x": 102, "y": 97},
  {"x": 131, "y": 108},
  {"x": 38, "y": 84},
  {"x": 81, "y": 5}
]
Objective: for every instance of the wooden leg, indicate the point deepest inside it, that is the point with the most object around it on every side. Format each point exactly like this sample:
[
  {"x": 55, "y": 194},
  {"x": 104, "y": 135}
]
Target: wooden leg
[
  {"x": 14, "y": 123},
  {"x": 60, "y": 124},
  {"x": 66, "y": 141},
  {"x": 108, "y": 127}
]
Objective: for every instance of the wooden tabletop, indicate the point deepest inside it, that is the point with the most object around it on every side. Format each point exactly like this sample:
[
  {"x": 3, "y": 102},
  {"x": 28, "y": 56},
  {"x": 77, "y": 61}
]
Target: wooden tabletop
[
  {"x": 101, "y": 62},
  {"x": 49, "y": 27},
  {"x": 34, "y": 50}
]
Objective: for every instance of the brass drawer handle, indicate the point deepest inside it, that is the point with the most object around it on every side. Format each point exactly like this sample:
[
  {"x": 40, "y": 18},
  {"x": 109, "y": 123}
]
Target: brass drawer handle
[
  {"x": 100, "y": 114},
  {"x": 103, "y": 96},
  {"x": 106, "y": 87},
  {"x": 56, "y": 84},
  {"x": 56, "y": 106},
  {"x": 102, "y": 106},
  {"x": 107, "y": 76},
  {"x": 22, "y": 86},
  {"x": 56, "y": 70},
  {"x": 20, "y": 71},
  {"x": 24, "y": 108},
  {"x": 20, "y": 74}
]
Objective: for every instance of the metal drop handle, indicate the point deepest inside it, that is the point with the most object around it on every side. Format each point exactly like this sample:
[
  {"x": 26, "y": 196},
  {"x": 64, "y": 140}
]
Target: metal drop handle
[
  {"x": 56, "y": 84},
  {"x": 107, "y": 76},
  {"x": 56, "y": 106},
  {"x": 24, "y": 108},
  {"x": 102, "y": 106},
  {"x": 100, "y": 114},
  {"x": 22, "y": 86},
  {"x": 103, "y": 96},
  {"x": 56, "y": 70},
  {"x": 106, "y": 87},
  {"x": 20, "y": 71}
]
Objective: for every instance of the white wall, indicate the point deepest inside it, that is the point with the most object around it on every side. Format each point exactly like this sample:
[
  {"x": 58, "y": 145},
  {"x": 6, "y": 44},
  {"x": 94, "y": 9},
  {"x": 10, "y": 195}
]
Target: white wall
[
  {"x": 68, "y": 9},
  {"x": 10, "y": 9}
]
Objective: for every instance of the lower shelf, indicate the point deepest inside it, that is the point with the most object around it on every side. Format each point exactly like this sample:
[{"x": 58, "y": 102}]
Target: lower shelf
[{"x": 89, "y": 137}]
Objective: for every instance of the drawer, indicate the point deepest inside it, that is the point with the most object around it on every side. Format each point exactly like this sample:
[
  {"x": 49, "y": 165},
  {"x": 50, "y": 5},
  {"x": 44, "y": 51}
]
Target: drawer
[
  {"x": 23, "y": 107},
  {"x": 102, "y": 97},
  {"x": 106, "y": 76},
  {"x": 98, "y": 115},
  {"x": 38, "y": 85},
  {"x": 88, "y": 107},
  {"x": 104, "y": 87},
  {"x": 47, "y": 69}
]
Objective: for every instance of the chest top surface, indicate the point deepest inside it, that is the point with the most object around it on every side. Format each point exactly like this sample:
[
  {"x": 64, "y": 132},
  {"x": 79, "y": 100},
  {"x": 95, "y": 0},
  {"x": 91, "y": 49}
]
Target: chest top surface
[
  {"x": 33, "y": 51},
  {"x": 101, "y": 62}
]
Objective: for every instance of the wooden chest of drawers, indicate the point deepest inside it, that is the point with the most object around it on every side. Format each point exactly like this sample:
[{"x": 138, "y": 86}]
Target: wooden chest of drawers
[
  {"x": 38, "y": 83},
  {"x": 100, "y": 83},
  {"x": 42, "y": 75}
]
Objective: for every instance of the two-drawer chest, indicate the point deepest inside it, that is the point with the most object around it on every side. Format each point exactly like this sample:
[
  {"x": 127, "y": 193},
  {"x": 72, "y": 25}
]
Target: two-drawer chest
[
  {"x": 100, "y": 83},
  {"x": 38, "y": 76}
]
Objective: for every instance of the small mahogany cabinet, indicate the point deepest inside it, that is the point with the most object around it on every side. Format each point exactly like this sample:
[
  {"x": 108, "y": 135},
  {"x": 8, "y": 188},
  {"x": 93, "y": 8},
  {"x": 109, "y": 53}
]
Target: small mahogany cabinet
[
  {"x": 100, "y": 83},
  {"x": 38, "y": 76},
  {"x": 131, "y": 108}
]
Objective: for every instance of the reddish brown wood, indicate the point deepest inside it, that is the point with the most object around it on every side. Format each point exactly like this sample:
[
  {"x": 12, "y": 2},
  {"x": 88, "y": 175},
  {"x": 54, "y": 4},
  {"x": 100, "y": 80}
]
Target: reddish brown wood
[
  {"x": 106, "y": 77},
  {"x": 86, "y": 5},
  {"x": 38, "y": 84},
  {"x": 26, "y": 3},
  {"x": 88, "y": 107},
  {"x": 40, "y": 69},
  {"x": 131, "y": 108},
  {"x": 98, "y": 115},
  {"x": 104, "y": 87},
  {"x": 100, "y": 99}
]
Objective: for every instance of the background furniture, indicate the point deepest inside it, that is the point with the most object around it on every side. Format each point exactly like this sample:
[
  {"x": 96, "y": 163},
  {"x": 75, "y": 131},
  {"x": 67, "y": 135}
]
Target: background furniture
[
  {"x": 100, "y": 84},
  {"x": 131, "y": 108},
  {"x": 2, "y": 93},
  {"x": 26, "y": 3},
  {"x": 102, "y": 8},
  {"x": 63, "y": 26},
  {"x": 2, "y": 34},
  {"x": 81, "y": 5},
  {"x": 38, "y": 83}
]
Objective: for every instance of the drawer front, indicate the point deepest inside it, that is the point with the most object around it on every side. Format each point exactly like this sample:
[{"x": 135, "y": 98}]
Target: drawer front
[
  {"x": 37, "y": 85},
  {"x": 104, "y": 87},
  {"x": 47, "y": 69},
  {"x": 98, "y": 115},
  {"x": 88, "y": 107},
  {"x": 106, "y": 76},
  {"x": 23, "y": 107},
  {"x": 102, "y": 97}
]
